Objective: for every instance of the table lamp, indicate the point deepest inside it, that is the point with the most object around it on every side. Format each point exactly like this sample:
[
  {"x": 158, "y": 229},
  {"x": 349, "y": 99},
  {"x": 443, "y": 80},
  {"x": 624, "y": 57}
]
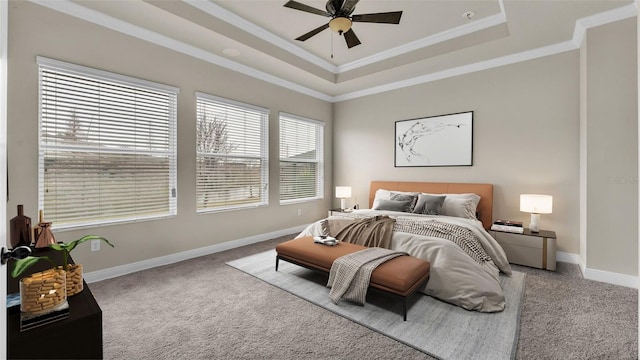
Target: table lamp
[
  {"x": 536, "y": 205},
  {"x": 343, "y": 193}
]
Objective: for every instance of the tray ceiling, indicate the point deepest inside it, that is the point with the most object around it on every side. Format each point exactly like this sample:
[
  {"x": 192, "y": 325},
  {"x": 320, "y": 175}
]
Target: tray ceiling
[{"x": 433, "y": 40}]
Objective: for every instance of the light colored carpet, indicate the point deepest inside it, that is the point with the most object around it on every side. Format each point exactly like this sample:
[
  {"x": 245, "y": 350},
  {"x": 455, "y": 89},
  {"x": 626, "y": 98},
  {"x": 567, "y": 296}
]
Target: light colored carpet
[
  {"x": 434, "y": 327},
  {"x": 205, "y": 309}
]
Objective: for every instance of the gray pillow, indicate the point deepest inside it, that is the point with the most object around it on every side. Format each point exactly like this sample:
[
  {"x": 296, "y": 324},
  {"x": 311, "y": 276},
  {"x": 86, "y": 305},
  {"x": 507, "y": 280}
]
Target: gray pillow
[
  {"x": 461, "y": 205},
  {"x": 393, "y": 205},
  {"x": 413, "y": 197},
  {"x": 429, "y": 204}
]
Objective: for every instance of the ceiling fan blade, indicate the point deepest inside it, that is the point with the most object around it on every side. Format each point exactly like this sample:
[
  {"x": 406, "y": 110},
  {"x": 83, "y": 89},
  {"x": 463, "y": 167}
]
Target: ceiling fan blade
[
  {"x": 351, "y": 39},
  {"x": 302, "y": 7},
  {"x": 384, "y": 18},
  {"x": 312, "y": 32},
  {"x": 349, "y": 6}
]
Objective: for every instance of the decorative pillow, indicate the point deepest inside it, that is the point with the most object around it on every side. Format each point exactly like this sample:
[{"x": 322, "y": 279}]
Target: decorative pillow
[
  {"x": 403, "y": 196},
  {"x": 382, "y": 194},
  {"x": 392, "y": 205},
  {"x": 429, "y": 204},
  {"x": 460, "y": 205}
]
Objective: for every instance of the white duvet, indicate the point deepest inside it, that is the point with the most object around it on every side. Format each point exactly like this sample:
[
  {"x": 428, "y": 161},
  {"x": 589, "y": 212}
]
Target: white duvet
[{"x": 454, "y": 276}]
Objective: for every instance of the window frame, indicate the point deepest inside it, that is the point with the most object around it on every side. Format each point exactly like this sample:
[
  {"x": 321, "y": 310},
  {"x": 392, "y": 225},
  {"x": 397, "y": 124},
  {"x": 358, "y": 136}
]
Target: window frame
[
  {"x": 319, "y": 149},
  {"x": 51, "y": 65},
  {"x": 264, "y": 113}
]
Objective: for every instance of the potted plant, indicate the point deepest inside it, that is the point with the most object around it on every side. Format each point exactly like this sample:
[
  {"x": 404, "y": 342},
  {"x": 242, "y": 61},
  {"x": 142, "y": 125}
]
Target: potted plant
[{"x": 73, "y": 272}]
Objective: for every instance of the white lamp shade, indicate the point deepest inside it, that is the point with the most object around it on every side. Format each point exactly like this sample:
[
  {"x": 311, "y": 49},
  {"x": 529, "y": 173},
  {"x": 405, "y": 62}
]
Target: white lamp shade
[
  {"x": 343, "y": 192},
  {"x": 536, "y": 204}
]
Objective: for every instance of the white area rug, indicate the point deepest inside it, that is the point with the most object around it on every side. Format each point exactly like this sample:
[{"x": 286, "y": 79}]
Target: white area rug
[{"x": 434, "y": 327}]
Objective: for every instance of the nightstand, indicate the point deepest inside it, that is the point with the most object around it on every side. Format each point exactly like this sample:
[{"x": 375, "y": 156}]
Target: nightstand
[
  {"x": 339, "y": 211},
  {"x": 529, "y": 249}
]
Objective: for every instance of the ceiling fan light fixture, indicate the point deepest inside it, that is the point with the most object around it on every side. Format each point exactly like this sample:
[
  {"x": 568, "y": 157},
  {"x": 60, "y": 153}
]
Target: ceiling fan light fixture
[{"x": 340, "y": 24}]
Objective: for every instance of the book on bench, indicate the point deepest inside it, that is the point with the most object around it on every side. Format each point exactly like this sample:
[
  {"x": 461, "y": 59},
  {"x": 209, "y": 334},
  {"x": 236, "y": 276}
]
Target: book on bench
[{"x": 325, "y": 240}]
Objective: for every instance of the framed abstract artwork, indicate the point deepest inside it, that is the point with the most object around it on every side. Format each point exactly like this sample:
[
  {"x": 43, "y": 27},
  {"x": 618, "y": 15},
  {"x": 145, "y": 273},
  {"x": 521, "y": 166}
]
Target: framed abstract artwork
[{"x": 444, "y": 140}]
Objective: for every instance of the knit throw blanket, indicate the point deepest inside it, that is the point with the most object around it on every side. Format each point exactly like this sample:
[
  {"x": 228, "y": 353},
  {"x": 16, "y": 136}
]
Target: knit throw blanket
[
  {"x": 460, "y": 235},
  {"x": 350, "y": 274}
]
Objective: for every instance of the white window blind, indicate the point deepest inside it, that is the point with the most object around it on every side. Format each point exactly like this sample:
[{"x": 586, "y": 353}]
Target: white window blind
[
  {"x": 301, "y": 159},
  {"x": 232, "y": 154},
  {"x": 107, "y": 146}
]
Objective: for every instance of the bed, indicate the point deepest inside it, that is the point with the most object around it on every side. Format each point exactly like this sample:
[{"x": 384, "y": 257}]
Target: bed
[{"x": 445, "y": 224}]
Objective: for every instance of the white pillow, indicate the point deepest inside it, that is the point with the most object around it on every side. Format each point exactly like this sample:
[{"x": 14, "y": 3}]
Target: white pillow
[
  {"x": 382, "y": 194},
  {"x": 460, "y": 205}
]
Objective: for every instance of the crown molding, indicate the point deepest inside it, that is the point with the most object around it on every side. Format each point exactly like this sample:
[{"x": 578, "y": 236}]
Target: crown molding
[
  {"x": 581, "y": 26},
  {"x": 227, "y": 16},
  {"x": 70, "y": 8},
  {"x": 440, "y": 37},
  {"x": 606, "y": 17},
  {"x": 262, "y": 33},
  {"x": 98, "y": 18},
  {"x": 462, "y": 70}
]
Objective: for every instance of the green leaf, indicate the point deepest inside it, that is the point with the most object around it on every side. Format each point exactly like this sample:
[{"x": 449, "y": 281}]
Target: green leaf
[
  {"x": 58, "y": 247},
  {"x": 72, "y": 244},
  {"x": 22, "y": 265}
]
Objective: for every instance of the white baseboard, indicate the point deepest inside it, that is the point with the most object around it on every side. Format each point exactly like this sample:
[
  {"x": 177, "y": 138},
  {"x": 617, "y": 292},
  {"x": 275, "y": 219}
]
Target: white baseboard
[
  {"x": 116, "y": 271},
  {"x": 598, "y": 275},
  {"x": 567, "y": 257},
  {"x": 611, "y": 278},
  {"x": 591, "y": 274}
]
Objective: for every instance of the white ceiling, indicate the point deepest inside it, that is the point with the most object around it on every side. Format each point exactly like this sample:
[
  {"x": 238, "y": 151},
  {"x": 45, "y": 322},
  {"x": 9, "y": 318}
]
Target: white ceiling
[{"x": 432, "y": 41}]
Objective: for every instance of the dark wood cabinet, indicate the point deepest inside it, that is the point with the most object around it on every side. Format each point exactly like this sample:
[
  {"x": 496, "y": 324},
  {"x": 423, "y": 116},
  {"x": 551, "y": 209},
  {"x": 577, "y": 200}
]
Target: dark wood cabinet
[{"x": 77, "y": 337}]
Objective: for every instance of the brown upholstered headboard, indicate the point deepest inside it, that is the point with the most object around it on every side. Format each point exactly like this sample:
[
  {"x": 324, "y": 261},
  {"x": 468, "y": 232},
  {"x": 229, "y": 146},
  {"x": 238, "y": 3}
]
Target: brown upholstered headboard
[{"x": 485, "y": 207}]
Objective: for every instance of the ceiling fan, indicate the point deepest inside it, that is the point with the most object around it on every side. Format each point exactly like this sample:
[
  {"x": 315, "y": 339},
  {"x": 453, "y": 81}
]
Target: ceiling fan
[{"x": 340, "y": 13}]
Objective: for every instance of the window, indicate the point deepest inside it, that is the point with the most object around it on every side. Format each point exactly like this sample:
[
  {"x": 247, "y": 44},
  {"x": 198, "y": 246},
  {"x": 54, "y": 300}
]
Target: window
[
  {"x": 301, "y": 159},
  {"x": 107, "y": 146},
  {"x": 232, "y": 154}
]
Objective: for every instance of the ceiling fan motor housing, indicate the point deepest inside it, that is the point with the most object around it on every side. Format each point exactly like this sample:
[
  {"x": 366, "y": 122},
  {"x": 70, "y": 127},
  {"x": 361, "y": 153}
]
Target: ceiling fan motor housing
[{"x": 337, "y": 8}]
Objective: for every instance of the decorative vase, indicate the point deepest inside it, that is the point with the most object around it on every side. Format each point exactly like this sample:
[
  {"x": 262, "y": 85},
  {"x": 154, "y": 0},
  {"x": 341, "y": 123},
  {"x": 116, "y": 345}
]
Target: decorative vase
[
  {"x": 74, "y": 279},
  {"x": 43, "y": 235},
  {"x": 20, "y": 229},
  {"x": 43, "y": 292}
]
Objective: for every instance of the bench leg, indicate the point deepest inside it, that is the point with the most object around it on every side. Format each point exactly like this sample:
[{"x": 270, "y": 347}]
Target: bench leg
[
  {"x": 404, "y": 308},
  {"x": 277, "y": 261}
]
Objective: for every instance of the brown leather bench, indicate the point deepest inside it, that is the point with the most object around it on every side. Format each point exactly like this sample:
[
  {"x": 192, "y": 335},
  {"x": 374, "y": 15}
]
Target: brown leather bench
[{"x": 400, "y": 276}]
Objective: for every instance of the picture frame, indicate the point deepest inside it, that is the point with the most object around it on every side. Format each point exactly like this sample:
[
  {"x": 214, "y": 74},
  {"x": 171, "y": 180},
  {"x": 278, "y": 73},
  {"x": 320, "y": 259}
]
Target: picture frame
[{"x": 442, "y": 140}]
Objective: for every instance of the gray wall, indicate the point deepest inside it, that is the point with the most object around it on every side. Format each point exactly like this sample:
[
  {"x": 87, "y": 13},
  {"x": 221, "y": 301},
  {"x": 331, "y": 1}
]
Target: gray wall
[
  {"x": 526, "y": 140},
  {"x": 525, "y": 137},
  {"x": 34, "y": 30},
  {"x": 612, "y": 148}
]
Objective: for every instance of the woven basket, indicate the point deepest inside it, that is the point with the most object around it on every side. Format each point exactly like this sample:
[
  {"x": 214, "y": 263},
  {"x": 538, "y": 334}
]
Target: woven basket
[
  {"x": 74, "y": 279},
  {"x": 42, "y": 291}
]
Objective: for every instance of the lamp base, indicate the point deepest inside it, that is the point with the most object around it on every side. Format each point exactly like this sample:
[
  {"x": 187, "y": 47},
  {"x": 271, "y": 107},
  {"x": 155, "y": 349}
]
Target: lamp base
[
  {"x": 533, "y": 226},
  {"x": 343, "y": 204}
]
